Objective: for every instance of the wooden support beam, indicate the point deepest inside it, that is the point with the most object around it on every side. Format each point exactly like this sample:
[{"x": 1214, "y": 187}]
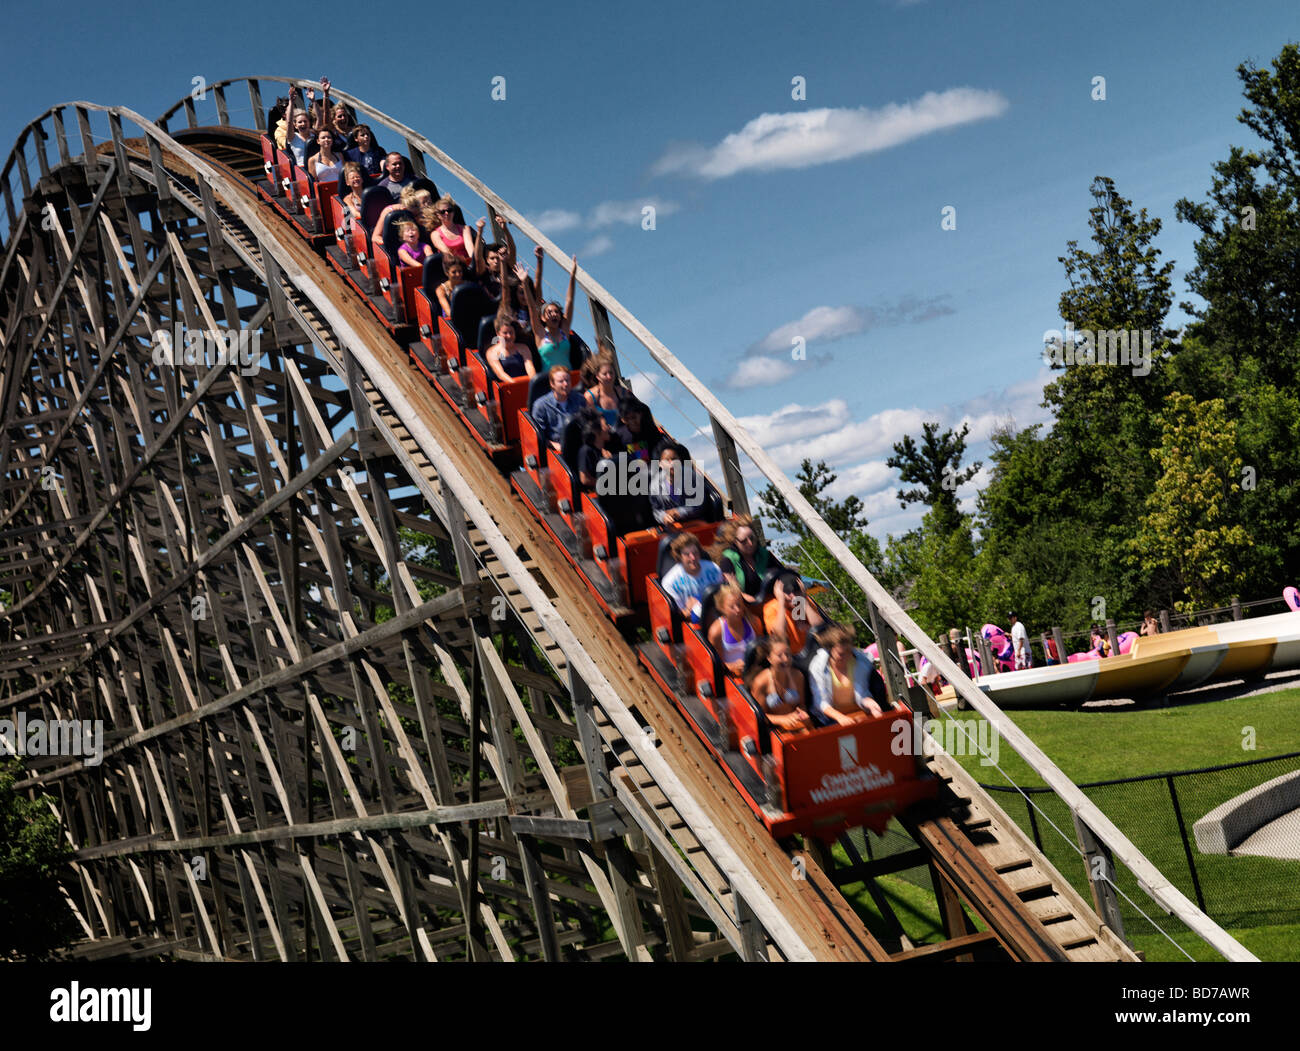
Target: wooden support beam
[
  {"x": 61, "y": 137},
  {"x": 39, "y": 140},
  {"x": 535, "y": 877},
  {"x": 731, "y": 473},
  {"x": 219, "y": 97},
  {"x": 957, "y": 948},
  {"x": 1100, "y": 866},
  {"x": 951, "y": 913},
  {"x": 281, "y": 607}
]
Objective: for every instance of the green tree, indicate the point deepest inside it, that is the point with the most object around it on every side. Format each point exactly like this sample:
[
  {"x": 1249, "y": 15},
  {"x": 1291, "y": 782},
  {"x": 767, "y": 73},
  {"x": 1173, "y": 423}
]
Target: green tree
[
  {"x": 1248, "y": 253},
  {"x": 1245, "y": 345},
  {"x": 842, "y": 599},
  {"x": 1037, "y": 553},
  {"x": 34, "y": 919},
  {"x": 843, "y": 516},
  {"x": 1103, "y": 411},
  {"x": 1060, "y": 506},
  {"x": 934, "y": 466},
  {"x": 943, "y": 590},
  {"x": 1188, "y": 526}
]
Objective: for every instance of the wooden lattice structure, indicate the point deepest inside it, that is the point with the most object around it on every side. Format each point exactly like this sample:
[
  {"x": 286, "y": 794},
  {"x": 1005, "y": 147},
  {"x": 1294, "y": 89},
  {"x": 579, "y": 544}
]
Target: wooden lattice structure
[{"x": 354, "y": 707}]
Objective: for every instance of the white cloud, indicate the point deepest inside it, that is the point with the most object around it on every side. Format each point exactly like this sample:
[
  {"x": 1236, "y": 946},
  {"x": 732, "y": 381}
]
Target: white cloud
[
  {"x": 888, "y": 520},
  {"x": 556, "y": 221},
  {"x": 882, "y": 507},
  {"x": 598, "y": 245},
  {"x": 825, "y": 324},
  {"x": 804, "y": 138},
  {"x": 643, "y": 384},
  {"x": 969, "y": 493},
  {"x": 861, "y": 478},
  {"x": 856, "y": 450},
  {"x": 827, "y": 431},
  {"x": 607, "y": 213},
  {"x": 760, "y": 372},
  {"x": 705, "y": 455},
  {"x": 820, "y": 324},
  {"x": 792, "y": 423},
  {"x": 874, "y": 436},
  {"x": 628, "y": 213},
  {"x": 1021, "y": 403}
]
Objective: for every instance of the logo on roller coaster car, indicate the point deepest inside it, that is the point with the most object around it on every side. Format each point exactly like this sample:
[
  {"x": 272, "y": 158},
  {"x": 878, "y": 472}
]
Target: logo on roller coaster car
[
  {"x": 856, "y": 781},
  {"x": 848, "y": 752}
]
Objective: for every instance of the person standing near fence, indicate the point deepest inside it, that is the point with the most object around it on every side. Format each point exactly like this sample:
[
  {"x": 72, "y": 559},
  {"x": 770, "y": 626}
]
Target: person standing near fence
[{"x": 1020, "y": 642}]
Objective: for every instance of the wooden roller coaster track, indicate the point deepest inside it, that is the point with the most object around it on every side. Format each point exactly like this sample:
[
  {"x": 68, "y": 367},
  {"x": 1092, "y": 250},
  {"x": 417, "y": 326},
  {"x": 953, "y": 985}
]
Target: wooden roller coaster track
[{"x": 327, "y": 740}]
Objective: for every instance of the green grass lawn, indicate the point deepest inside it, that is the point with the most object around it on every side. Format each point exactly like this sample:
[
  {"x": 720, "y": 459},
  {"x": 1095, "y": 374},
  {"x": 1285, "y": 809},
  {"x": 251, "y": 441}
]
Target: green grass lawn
[
  {"x": 1114, "y": 742},
  {"x": 1257, "y": 900}
]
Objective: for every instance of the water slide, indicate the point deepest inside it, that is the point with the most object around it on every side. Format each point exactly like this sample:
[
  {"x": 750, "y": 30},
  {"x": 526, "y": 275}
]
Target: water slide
[{"x": 1155, "y": 665}]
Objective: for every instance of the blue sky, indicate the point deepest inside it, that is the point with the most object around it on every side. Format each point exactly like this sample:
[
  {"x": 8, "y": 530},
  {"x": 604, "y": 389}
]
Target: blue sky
[{"x": 775, "y": 217}]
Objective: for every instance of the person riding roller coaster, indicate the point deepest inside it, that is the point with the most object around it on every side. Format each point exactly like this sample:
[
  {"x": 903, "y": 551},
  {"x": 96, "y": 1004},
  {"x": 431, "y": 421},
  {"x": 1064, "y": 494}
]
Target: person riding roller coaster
[
  {"x": 600, "y": 376},
  {"x": 734, "y": 631},
  {"x": 451, "y": 238},
  {"x": 746, "y": 561},
  {"x": 595, "y": 439},
  {"x": 506, "y": 357},
  {"x": 692, "y": 575},
  {"x": 790, "y": 615},
  {"x": 676, "y": 487},
  {"x": 845, "y": 684},
  {"x": 397, "y": 175},
  {"x": 780, "y": 687},
  {"x": 489, "y": 257},
  {"x": 551, "y": 326},
  {"x": 406, "y": 208},
  {"x": 354, "y": 179},
  {"x": 636, "y": 431},
  {"x": 295, "y": 134},
  {"x": 411, "y": 252},
  {"x": 362, "y": 149},
  {"x": 453, "y": 270},
  {"x": 552, "y": 411}
]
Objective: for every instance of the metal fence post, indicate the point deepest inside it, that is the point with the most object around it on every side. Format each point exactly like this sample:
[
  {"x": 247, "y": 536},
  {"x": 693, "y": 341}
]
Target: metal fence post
[
  {"x": 1033, "y": 822},
  {"x": 1187, "y": 849}
]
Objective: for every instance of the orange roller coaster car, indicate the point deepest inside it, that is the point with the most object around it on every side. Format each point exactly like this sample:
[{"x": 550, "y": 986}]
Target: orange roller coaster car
[{"x": 820, "y": 782}]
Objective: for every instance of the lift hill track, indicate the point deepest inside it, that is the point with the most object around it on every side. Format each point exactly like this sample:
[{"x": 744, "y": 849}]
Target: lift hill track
[{"x": 643, "y": 830}]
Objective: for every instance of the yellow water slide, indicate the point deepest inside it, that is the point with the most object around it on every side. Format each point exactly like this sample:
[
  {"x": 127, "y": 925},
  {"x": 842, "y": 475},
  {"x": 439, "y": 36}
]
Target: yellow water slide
[{"x": 1157, "y": 664}]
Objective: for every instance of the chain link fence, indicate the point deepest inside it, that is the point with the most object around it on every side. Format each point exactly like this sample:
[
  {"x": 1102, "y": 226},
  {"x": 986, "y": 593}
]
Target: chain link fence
[{"x": 1159, "y": 813}]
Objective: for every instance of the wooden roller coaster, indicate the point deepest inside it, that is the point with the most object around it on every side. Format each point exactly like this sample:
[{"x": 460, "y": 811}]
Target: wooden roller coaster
[{"x": 359, "y": 703}]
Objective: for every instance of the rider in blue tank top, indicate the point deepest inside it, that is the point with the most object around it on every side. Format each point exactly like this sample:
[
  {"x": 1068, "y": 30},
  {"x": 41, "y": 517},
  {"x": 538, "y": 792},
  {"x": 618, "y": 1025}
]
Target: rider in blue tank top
[{"x": 550, "y": 324}]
